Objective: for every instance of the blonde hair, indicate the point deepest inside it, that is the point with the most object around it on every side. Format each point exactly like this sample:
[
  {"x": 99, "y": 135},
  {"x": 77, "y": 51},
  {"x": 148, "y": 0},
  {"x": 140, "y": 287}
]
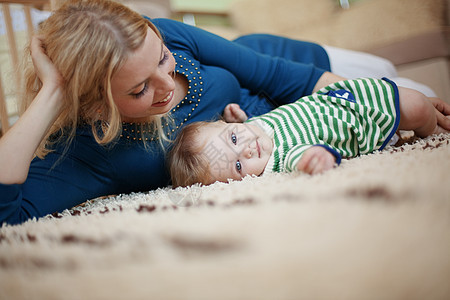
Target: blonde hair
[
  {"x": 187, "y": 163},
  {"x": 88, "y": 41}
]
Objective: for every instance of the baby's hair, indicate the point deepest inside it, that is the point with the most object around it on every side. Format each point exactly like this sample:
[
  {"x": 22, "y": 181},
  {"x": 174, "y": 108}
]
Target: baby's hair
[{"x": 187, "y": 163}]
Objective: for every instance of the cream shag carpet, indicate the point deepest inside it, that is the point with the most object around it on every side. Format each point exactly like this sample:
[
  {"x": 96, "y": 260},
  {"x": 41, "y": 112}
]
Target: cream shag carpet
[{"x": 377, "y": 227}]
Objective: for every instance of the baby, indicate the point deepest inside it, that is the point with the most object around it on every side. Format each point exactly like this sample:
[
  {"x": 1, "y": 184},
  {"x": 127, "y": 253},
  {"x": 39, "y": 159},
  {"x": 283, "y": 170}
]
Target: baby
[{"x": 311, "y": 135}]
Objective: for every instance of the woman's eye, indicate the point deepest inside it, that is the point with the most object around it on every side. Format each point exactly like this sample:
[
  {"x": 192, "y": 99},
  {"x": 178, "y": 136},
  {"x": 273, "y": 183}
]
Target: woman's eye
[
  {"x": 238, "y": 166},
  {"x": 165, "y": 57},
  {"x": 233, "y": 138},
  {"x": 142, "y": 92}
]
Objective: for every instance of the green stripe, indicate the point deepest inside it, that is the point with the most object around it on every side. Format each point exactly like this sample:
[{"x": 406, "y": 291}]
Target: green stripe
[
  {"x": 310, "y": 139},
  {"x": 294, "y": 155}
]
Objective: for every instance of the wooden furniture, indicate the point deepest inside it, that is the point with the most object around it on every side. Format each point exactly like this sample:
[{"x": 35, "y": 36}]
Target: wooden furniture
[{"x": 13, "y": 50}]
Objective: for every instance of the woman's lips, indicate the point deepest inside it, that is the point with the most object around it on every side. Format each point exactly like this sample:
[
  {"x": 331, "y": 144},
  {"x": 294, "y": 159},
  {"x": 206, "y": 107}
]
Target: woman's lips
[{"x": 164, "y": 101}]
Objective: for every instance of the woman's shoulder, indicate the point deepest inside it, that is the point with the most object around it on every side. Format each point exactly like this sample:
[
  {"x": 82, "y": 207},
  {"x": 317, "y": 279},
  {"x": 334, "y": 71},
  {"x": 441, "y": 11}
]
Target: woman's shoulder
[
  {"x": 171, "y": 28},
  {"x": 181, "y": 36},
  {"x": 162, "y": 23}
]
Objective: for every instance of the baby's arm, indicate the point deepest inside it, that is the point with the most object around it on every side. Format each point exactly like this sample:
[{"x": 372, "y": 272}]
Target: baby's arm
[
  {"x": 424, "y": 115},
  {"x": 234, "y": 114},
  {"x": 316, "y": 160}
]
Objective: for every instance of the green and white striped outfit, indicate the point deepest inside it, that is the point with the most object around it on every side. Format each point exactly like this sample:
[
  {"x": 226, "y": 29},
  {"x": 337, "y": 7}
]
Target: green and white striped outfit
[{"x": 348, "y": 118}]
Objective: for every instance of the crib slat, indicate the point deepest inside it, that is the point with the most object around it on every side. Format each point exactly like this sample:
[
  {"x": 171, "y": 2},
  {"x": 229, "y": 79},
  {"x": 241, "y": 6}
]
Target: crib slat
[
  {"x": 28, "y": 20},
  {"x": 14, "y": 59},
  {"x": 3, "y": 112},
  {"x": 35, "y": 2},
  {"x": 54, "y": 4},
  {"x": 10, "y": 34}
]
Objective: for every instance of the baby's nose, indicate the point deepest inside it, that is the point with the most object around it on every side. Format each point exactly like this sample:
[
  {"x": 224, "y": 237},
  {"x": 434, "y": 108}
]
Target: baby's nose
[{"x": 247, "y": 152}]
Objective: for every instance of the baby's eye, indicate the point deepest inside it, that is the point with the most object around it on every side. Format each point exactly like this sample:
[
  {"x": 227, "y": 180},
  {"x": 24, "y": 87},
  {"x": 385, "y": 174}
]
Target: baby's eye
[
  {"x": 233, "y": 138},
  {"x": 238, "y": 166}
]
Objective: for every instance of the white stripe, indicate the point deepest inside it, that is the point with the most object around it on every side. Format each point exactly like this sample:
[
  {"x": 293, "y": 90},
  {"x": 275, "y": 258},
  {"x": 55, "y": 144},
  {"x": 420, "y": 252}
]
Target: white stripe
[
  {"x": 320, "y": 123},
  {"x": 297, "y": 122}
]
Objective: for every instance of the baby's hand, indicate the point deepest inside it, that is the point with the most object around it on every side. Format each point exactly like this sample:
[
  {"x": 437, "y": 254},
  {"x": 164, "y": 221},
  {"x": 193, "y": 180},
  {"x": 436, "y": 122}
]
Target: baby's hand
[
  {"x": 442, "y": 110},
  {"x": 315, "y": 160},
  {"x": 234, "y": 114}
]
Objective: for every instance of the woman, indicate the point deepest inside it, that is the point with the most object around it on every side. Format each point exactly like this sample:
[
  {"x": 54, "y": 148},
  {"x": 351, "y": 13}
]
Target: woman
[{"x": 108, "y": 89}]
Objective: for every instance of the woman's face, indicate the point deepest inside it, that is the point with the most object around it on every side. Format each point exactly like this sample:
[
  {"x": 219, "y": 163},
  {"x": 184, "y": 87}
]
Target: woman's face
[{"x": 144, "y": 85}]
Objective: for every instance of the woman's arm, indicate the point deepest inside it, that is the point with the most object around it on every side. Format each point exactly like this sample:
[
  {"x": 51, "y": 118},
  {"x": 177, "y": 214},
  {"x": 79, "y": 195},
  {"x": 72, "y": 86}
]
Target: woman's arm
[
  {"x": 18, "y": 145},
  {"x": 272, "y": 71}
]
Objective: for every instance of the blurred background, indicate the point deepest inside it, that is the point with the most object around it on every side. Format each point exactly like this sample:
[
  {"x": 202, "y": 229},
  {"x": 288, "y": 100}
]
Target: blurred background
[{"x": 413, "y": 34}]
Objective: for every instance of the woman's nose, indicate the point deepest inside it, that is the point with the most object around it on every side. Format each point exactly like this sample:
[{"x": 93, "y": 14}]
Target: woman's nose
[{"x": 165, "y": 83}]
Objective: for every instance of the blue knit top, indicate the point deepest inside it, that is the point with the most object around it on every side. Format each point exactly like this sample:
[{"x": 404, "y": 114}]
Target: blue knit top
[{"x": 259, "y": 72}]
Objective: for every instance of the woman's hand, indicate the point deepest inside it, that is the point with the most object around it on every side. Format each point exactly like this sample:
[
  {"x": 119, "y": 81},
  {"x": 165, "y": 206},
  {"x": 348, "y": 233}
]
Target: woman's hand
[
  {"x": 234, "y": 114},
  {"x": 316, "y": 160},
  {"x": 43, "y": 66}
]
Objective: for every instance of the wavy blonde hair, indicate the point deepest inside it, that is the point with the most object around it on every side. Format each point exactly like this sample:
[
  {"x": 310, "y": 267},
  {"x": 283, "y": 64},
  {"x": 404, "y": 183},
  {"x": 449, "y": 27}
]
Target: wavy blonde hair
[{"x": 88, "y": 41}]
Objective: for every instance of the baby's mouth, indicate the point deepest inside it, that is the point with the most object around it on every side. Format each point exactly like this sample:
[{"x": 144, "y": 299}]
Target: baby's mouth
[{"x": 258, "y": 149}]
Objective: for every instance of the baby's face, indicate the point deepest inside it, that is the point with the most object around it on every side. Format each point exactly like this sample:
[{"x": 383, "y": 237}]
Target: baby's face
[{"x": 235, "y": 150}]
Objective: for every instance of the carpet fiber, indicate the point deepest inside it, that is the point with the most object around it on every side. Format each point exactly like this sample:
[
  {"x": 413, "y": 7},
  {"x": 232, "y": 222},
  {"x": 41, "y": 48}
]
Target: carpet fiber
[{"x": 377, "y": 227}]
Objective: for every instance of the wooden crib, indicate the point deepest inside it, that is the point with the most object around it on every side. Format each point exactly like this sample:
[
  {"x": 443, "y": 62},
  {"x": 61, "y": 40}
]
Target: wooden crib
[{"x": 12, "y": 43}]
